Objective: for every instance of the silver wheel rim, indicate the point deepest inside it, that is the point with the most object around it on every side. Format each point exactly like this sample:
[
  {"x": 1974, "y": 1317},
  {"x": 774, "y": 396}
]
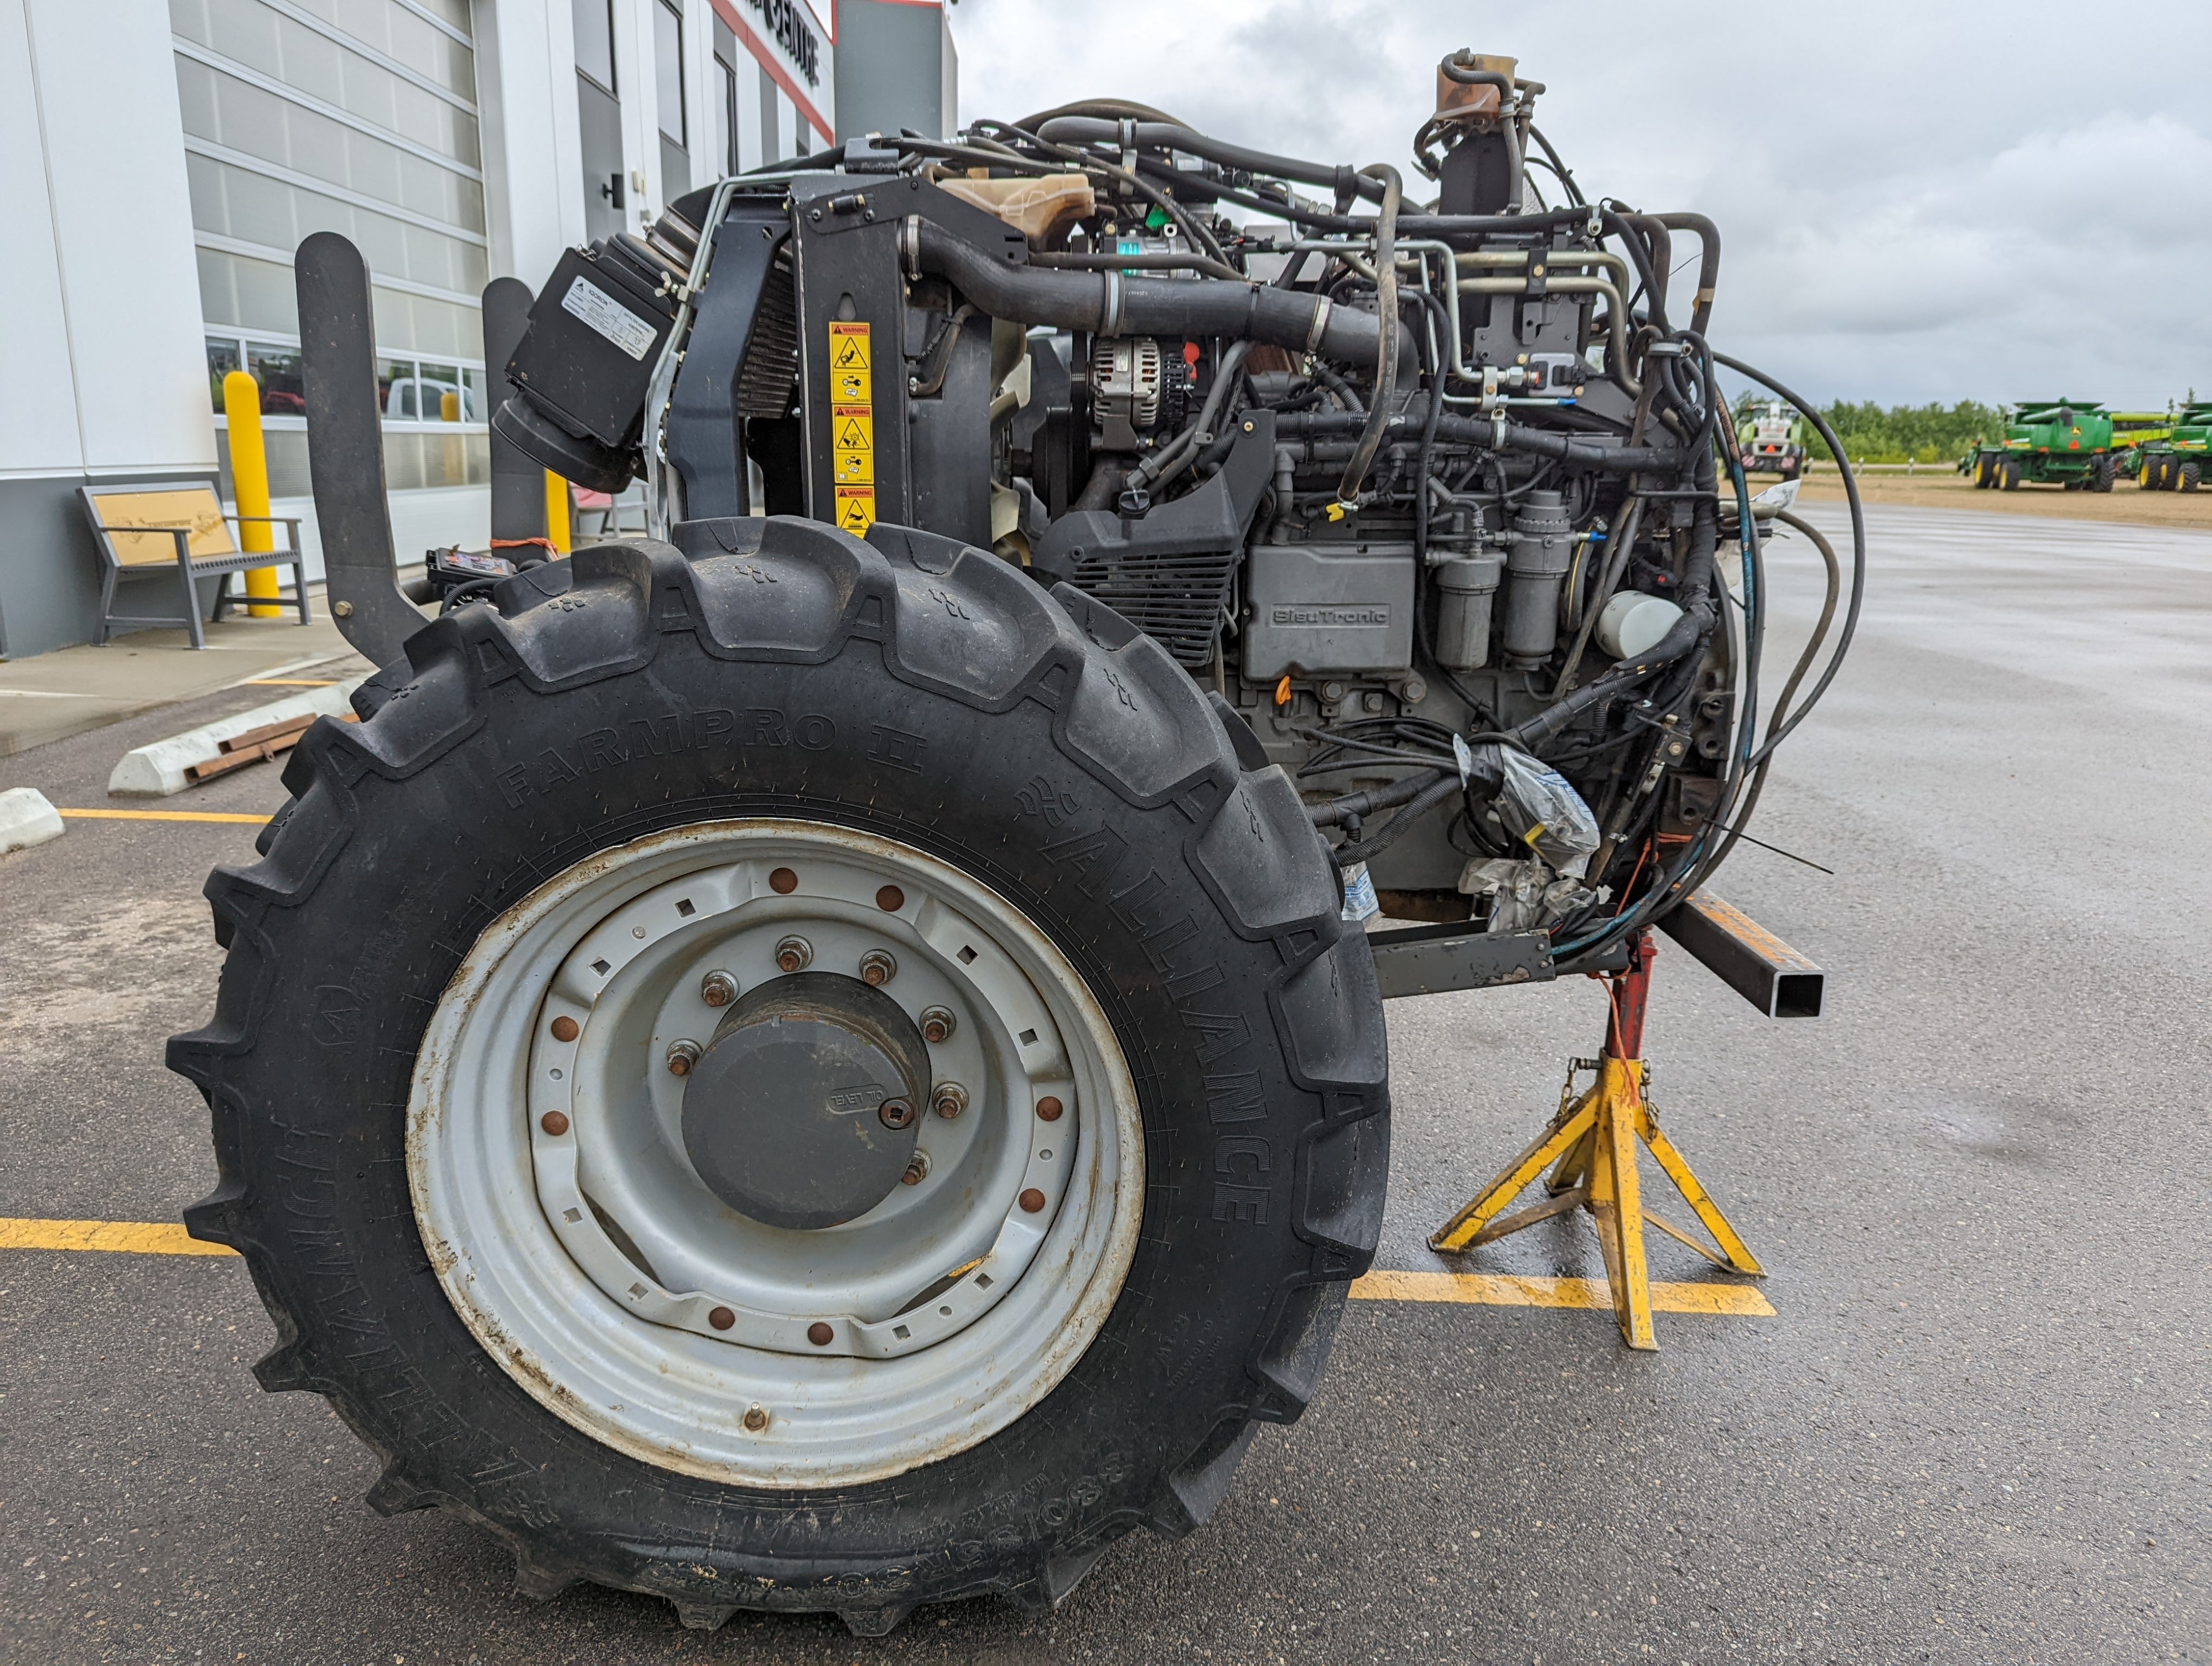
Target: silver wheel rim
[{"x": 689, "y": 1336}]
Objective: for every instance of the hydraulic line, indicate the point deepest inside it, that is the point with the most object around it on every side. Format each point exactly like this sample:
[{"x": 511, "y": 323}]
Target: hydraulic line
[
  {"x": 1858, "y": 548},
  {"x": 1386, "y": 364}
]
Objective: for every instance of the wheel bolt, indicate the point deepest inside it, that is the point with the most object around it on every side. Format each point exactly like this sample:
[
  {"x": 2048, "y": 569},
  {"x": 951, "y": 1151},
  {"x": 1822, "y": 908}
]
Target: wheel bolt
[
  {"x": 564, "y": 1029},
  {"x": 718, "y": 989},
  {"x": 682, "y": 1056},
  {"x": 756, "y": 1418},
  {"x": 917, "y": 1169},
  {"x": 877, "y": 968},
  {"x": 948, "y": 1099},
  {"x": 1031, "y": 1200},
  {"x": 721, "y": 1318},
  {"x": 554, "y": 1123},
  {"x": 938, "y": 1025},
  {"x": 1048, "y": 1108},
  {"x": 820, "y": 1334},
  {"x": 793, "y": 954},
  {"x": 895, "y": 1113}
]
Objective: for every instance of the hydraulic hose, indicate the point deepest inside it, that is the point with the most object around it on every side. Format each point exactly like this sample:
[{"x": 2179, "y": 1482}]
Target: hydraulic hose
[
  {"x": 1858, "y": 551},
  {"x": 1385, "y": 361},
  {"x": 1108, "y": 304},
  {"x": 1132, "y": 135},
  {"x": 1500, "y": 435}
]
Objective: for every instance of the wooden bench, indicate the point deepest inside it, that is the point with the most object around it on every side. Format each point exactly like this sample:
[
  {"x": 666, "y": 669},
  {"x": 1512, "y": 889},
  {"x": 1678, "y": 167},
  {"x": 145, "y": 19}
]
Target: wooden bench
[{"x": 178, "y": 531}]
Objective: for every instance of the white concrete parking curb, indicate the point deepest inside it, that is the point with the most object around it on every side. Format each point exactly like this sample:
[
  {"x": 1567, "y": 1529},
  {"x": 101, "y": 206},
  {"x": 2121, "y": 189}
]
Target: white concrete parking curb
[
  {"x": 26, "y": 819},
  {"x": 157, "y": 768}
]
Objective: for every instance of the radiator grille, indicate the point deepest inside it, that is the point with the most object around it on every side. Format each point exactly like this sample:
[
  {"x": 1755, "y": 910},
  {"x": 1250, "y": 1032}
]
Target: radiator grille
[{"x": 1175, "y": 599}]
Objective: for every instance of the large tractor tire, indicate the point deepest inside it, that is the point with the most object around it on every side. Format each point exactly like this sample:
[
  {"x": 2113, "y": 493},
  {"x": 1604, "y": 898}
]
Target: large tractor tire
[
  {"x": 2192, "y": 475},
  {"x": 1032, "y": 1116},
  {"x": 2100, "y": 474},
  {"x": 1985, "y": 476},
  {"x": 2009, "y": 474}
]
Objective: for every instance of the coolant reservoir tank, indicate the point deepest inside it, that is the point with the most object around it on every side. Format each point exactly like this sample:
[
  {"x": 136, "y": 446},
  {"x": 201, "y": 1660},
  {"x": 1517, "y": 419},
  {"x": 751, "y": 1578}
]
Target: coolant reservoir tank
[{"x": 1633, "y": 624}]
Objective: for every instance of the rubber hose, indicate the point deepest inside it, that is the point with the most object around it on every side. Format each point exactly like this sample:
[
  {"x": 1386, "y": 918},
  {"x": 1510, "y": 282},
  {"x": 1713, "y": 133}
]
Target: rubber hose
[{"x": 1106, "y": 303}]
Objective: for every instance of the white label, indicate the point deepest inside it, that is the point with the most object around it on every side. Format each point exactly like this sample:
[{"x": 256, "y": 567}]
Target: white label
[
  {"x": 603, "y": 313},
  {"x": 1359, "y": 900}
]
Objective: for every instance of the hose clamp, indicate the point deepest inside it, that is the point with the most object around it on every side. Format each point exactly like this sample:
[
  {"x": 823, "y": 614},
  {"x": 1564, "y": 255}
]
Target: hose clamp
[
  {"x": 910, "y": 244},
  {"x": 1110, "y": 306},
  {"x": 1320, "y": 327}
]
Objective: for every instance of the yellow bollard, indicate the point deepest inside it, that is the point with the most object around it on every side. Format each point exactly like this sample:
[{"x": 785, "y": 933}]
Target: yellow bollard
[
  {"x": 557, "y": 511},
  {"x": 249, "y": 479}
]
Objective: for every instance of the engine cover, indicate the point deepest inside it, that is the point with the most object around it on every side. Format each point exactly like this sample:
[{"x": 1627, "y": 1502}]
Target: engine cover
[{"x": 1321, "y": 607}]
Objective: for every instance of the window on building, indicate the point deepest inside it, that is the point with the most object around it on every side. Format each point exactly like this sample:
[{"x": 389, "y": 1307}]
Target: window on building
[
  {"x": 668, "y": 68},
  {"x": 409, "y": 392},
  {"x": 595, "y": 40},
  {"x": 223, "y": 357},
  {"x": 277, "y": 370},
  {"x": 725, "y": 77},
  {"x": 799, "y": 135}
]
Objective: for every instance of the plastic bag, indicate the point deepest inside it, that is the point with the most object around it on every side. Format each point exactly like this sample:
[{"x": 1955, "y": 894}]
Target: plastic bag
[{"x": 1544, "y": 812}]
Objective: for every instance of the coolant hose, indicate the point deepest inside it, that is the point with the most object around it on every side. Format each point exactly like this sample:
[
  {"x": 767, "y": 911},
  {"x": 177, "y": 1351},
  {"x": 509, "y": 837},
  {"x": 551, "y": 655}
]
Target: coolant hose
[{"x": 1108, "y": 304}]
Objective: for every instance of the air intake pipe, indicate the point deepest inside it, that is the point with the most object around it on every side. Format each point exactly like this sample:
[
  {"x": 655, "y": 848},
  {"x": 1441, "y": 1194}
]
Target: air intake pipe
[{"x": 1109, "y": 304}]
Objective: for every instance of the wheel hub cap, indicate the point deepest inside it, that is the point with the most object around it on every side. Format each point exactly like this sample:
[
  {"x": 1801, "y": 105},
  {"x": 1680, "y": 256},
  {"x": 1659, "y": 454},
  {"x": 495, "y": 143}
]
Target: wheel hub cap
[{"x": 784, "y": 1115}]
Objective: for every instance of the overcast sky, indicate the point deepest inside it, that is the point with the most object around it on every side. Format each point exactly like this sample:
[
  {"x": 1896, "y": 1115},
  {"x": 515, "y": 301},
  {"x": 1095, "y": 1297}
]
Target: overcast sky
[{"x": 1932, "y": 201}]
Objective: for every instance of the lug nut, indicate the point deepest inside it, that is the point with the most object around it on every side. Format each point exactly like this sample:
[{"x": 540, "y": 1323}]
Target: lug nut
[
  {"x": 721, "y": 1318},
  {"x": 682, "y": 1056},
  {"x": 756, "y": 1418},
  {"x": 895, "y": 1113},
  {"x": 877, "y": 968},
  {"x": 564, "y": 1029},
  {"x": 718, "y": 989},
  {"x": 1048, "y": 1108},
  {"x": 554, "y": 1123},
  {"x": 938, "y": 1025},
  {"x": 820, "y": 1334},
  {"x": 948, "y": 1099},
  {"x": 917, "y": 1169},
  {"x": 793, "y": 954},
  {"x": 1031, "y": 1200}
]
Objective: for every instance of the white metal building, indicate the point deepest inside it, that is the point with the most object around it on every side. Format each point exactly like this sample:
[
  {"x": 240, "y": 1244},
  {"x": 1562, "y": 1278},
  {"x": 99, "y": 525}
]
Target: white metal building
[{"x": 165, "y": 159}]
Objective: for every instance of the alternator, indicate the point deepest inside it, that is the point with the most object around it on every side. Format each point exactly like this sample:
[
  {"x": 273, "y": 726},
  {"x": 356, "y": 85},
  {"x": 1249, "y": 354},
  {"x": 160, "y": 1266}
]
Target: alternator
[{"x": 1124, "y": 386}]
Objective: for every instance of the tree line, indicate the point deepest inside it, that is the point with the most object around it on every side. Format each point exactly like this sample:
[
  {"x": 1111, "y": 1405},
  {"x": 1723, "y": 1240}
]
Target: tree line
[{"x": 1920, "y": 433}]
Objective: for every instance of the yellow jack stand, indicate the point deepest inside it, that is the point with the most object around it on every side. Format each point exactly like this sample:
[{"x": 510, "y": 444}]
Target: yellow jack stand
[{"x": 1590, "y": 1146}]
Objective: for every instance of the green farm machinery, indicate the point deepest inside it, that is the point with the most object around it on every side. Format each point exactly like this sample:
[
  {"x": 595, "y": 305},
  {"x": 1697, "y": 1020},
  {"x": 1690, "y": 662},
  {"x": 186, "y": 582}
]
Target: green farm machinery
[
  {"x": 2174, "y": 460},
  {"x": 2058, "y": 442}
]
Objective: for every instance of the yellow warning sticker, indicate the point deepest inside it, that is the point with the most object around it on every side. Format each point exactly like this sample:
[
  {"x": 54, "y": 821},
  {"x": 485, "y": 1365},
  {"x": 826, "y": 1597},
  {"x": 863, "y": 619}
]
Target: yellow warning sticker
[
  {"x": 849, "y": 346},
  {"x": 853, "y": 426},
  {"x": 856, "y": 509},
  {"x": 853, "y": 437}
]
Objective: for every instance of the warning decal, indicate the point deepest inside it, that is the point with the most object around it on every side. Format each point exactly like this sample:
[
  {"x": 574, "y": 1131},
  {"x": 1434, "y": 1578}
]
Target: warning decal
[
  {"x": 849, "y": 346},
  {"x": 856, "y": 509},
  {"x": 853, "y": 426}
]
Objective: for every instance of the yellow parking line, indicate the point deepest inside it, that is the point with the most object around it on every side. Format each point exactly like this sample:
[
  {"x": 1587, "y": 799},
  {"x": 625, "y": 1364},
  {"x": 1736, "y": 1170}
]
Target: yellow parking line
[
  {"x": 164, "y": 816},
  {"x": 129, "y": 1238},
  {"x": 148, "y": 1238},
  {"x": 1512, "y": 1289}
]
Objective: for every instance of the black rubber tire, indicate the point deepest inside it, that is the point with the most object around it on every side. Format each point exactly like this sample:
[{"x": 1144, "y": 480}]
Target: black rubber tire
[
  {"x": 2192, "y": 475},
  {"x": 1981, "y": 474},
  {"x": 2010, "y": 475},
  {"x": 2100, "y": 474},
  {"x": 1036, "y": 741}
]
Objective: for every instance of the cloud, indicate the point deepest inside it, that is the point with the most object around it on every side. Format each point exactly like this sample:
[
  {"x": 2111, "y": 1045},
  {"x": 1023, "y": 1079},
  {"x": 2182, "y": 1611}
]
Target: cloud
[{"x": 1917, "y": 202}]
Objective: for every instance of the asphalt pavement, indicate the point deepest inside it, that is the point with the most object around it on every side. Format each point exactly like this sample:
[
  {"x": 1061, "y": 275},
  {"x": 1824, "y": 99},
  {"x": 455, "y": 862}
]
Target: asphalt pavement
[{"x": 1975, "y": 1428}]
